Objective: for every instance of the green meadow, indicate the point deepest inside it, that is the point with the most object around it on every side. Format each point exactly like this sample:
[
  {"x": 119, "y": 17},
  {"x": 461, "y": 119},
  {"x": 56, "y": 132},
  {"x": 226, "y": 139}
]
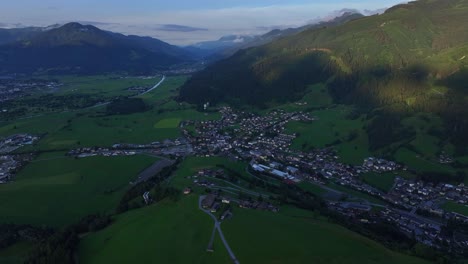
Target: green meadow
[
  {"x": 168, "y": 123},
  {"x": 382, "y": 181},
  {"x": 105, "y": 86},
  {"x": 168, "y": 232},
  {"x": 455, "y": 207},
  {"x": 332, "y": 127},
  {"x": 58, "y": 191},
  {"x": 15, "y": 254},
  {"x": 161, "y": 232},
  {"x": 297, "y": 236},
  {"x": 93, "y": 127}
]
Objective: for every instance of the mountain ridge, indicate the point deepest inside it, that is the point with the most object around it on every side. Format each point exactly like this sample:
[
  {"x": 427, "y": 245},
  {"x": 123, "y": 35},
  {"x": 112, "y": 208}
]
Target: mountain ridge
[{"x": 74, "y": 47}]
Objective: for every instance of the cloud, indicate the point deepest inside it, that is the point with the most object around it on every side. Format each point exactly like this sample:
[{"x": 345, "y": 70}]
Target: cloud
[
  {"x": 368, "y": 12},
  {"x": 96, "y": 23},
  {"x": 179, "y": 28},
  {"x": 270, "y": 28}
]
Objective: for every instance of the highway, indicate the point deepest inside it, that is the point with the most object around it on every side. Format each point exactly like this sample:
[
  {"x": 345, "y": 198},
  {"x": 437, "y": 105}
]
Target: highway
[
  {"x": 97, "y": 105},
  {"x": 143, "y": 93},
  {"x": 154, "y": 87},
  {"x": 217, "y": 227}
]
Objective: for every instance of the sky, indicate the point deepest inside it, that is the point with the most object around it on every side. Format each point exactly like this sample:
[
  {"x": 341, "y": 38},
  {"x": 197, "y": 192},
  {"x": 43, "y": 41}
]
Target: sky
[{"x": 181, "y": 22}]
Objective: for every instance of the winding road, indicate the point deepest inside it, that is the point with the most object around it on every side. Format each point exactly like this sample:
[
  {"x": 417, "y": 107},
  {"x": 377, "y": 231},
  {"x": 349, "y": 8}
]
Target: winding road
[{"x": 217, "y": 227}]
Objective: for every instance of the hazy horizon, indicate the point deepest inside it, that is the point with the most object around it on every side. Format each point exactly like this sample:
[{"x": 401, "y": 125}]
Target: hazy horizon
[{"x": 182, "y": 22}]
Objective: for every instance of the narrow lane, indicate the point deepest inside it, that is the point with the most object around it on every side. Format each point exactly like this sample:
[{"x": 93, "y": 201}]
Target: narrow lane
[{"x": 217, "y": 226}]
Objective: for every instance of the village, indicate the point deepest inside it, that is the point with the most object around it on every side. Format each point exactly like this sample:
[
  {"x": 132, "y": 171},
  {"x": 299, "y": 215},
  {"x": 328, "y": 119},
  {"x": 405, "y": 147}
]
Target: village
[
  {"x": 12, "y": 88},
  {"x": 263, "y": 143},
  {"x": 10, "y": 164}
]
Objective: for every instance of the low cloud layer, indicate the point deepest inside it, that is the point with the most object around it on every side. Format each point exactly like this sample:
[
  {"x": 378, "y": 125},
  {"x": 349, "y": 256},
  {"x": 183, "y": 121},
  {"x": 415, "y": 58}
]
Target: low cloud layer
[{"x": 179, "y": 28}]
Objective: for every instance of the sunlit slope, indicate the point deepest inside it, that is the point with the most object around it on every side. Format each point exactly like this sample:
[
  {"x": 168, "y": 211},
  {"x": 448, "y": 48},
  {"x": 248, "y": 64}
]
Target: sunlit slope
[{"x": 419, "y": 42}]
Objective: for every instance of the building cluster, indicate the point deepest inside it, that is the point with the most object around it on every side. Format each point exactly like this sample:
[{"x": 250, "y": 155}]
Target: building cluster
[
  {"x": 258, "y": 205},
  {"x": 278, "y": 170},
  {"x": 106, "y": 152},
  {"x": 425, "y": 231},
  {"x": 177, "y": 147},
  {"x": 423, "y": 195},
  {"x": 8, "y": 164},
  {"x": 11, "y": 89},
  {"x": 138, "y": 89},
  {"x": 11, "y": 164},
  {"x": 380, "y": 165},
  {"x": 355, "y": 211},
  {"x": 213, "y": 202},
  {"x": 14, "y": 142},
  {"x": 238, "y": 133},
  {"x": 444, "y": 158}
]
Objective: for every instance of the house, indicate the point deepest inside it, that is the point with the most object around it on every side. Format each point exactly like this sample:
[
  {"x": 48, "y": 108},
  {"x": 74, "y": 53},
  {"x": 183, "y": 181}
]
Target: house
[
  {"x": 208, "y": 201},
  {"x": 215, "y": 207}
]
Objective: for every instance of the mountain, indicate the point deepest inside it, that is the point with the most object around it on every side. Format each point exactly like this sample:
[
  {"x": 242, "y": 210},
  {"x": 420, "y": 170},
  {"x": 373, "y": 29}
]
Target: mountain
[
  {"x": 341, "y": 18},
  {"x": 206, "y": 49},
  {"x": 18, "y": 34},
  {"x": 86, "y": 49},
  {"x": 223, "y": 42},
  {"x": 228, "y": 45},
  {"x": 412, "y": 58}
]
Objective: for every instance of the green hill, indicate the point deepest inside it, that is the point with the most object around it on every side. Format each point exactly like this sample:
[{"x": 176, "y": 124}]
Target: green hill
[
  {"x": 412, "y": 58},
  {"x": 86, "y": 49}
]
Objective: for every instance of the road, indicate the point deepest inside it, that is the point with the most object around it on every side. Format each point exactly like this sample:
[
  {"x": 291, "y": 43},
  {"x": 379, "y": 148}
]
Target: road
[
  {"x": 154, "y": 87},
  {"x": 97, "y": 105},
  {"x": 143, "y": 93},
  {"x": 217, "y": 227},
  {"x": 152, "y": 170}
]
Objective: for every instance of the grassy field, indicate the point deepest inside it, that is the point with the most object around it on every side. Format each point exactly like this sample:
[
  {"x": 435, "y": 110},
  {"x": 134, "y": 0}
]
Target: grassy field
[
  {"x": 192, "y": 165},
  {"x": 57, "y": 191},
  {"x": 415, "y": 161},
  {"x": 316, "y": 96},
  {"x": 15, "y": 254},
  {"x": 332, "y": 127},
  {"x": 383, "y": 181},
  {"x": 159, "y": 233},
  {"x": 168, "y": 123},
  {"x": 91, "y": 127},
  {"x": 454, "y": 207},
  {"x": 296, "y": 236},
  {"x": 102, "y": 85},
  {"x": 167, "y": 90},
  {"x": 162, "y": 233}
]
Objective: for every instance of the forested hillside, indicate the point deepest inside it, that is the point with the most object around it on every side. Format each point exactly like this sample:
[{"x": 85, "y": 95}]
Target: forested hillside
[{"x": 410, "y": 59}]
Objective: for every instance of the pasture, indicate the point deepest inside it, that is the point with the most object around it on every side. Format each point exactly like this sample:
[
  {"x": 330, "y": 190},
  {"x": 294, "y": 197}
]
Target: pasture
[
  {"x": 168, "y": 232},
  {"x": 57, "y": 191},
  {"x": 297, "y": 236}
]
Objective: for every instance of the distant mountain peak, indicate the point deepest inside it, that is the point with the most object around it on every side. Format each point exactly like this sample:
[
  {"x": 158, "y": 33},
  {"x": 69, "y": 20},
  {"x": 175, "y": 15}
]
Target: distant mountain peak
[{"x": 74, "y": 47}]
